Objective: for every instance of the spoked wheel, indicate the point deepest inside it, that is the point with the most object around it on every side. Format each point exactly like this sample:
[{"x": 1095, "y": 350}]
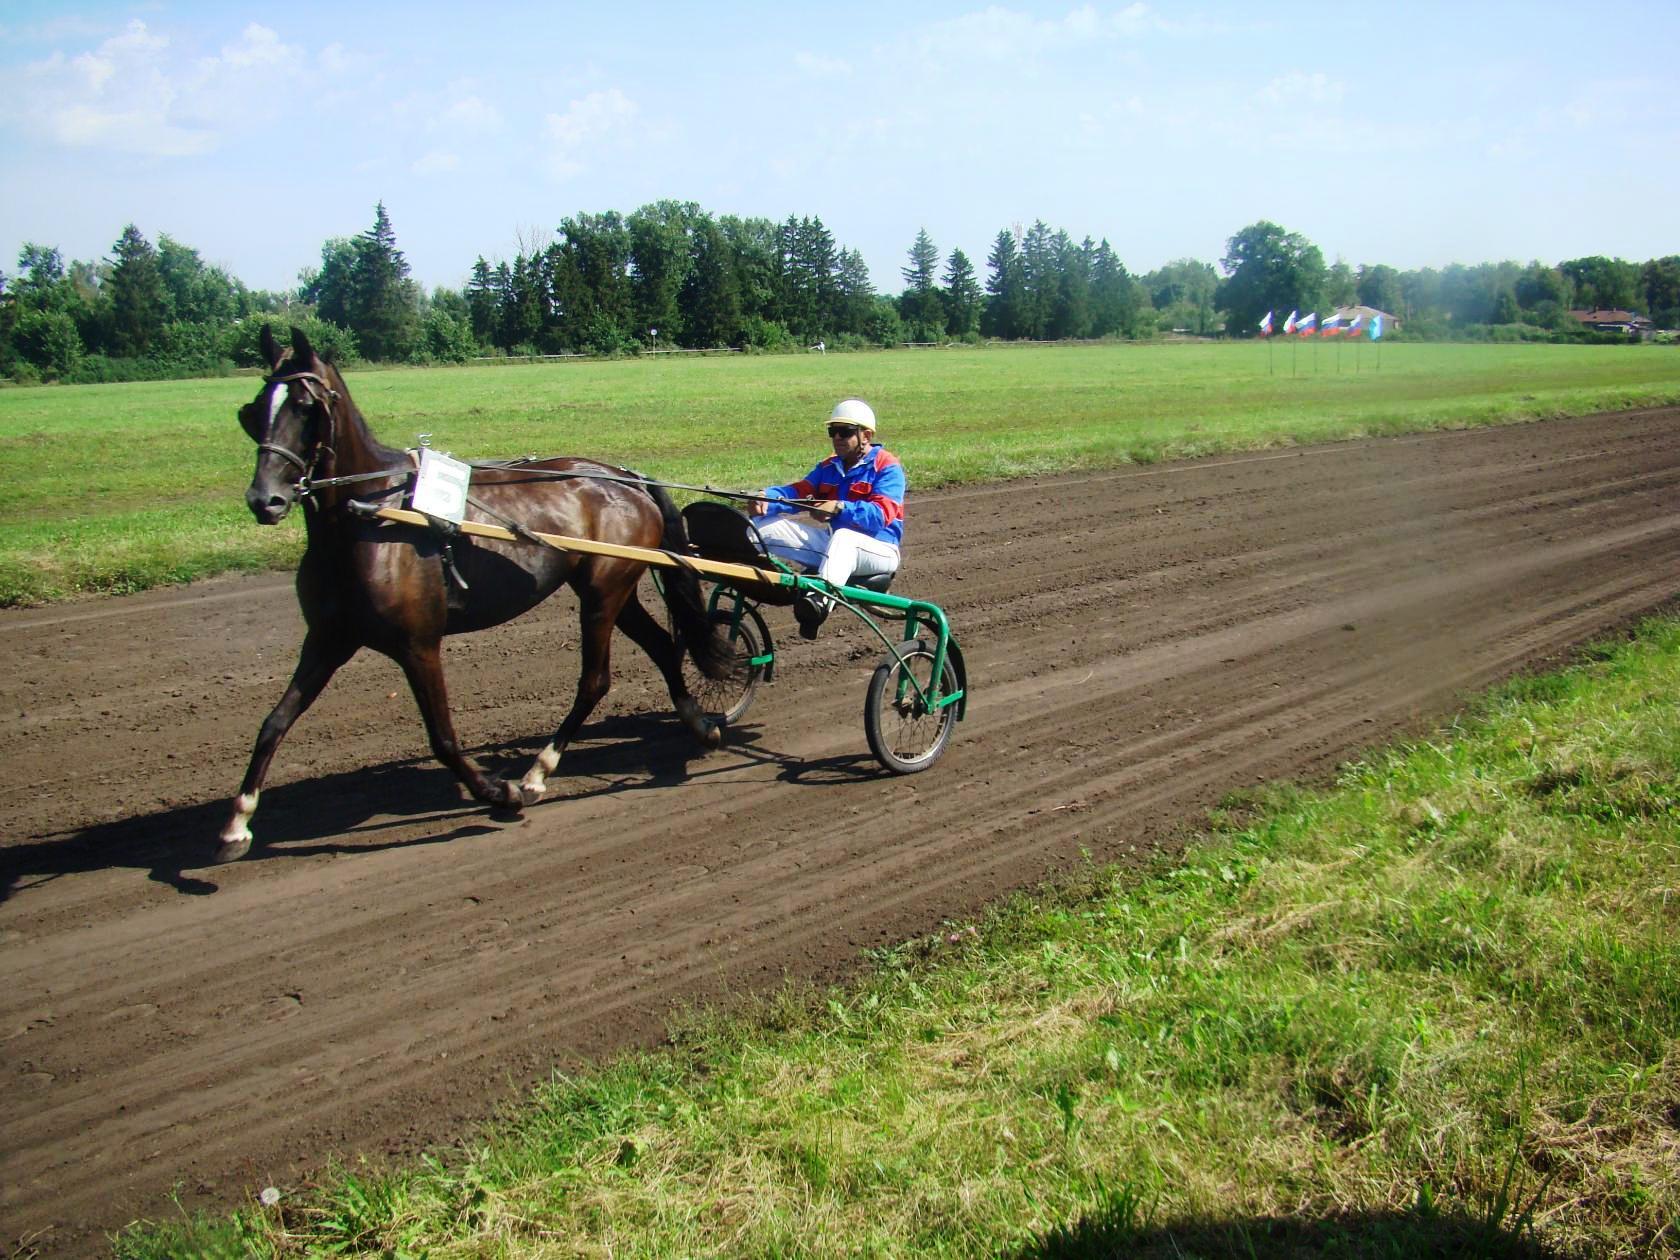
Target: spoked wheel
[
  {"x": 904, "y": 734},
  {"x": 726, "y": 700}
]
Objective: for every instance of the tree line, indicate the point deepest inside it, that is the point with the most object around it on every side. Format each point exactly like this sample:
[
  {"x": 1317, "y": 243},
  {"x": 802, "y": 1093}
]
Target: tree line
[
  {"x": 1269, "y": 269},
  {"x": 672, "y": 275}
]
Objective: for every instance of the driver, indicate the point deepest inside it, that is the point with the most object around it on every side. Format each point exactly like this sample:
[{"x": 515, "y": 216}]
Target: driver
[{"x": 856, "y": 527}]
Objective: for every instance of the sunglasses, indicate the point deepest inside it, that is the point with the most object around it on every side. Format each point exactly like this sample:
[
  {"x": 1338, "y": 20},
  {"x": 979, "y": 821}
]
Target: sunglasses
[{"x": 841, "y": 430}]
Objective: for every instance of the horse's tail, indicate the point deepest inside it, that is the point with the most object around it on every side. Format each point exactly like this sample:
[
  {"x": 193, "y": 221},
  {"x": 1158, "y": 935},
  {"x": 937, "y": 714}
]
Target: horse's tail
[{"x": 695, "y": 632}]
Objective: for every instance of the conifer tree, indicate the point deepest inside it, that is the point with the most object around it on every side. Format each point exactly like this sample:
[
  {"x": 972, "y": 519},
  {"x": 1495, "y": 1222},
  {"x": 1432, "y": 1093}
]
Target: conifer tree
[
  {"x": 920, "y": 306},
  {"x": 384, "y": 302},
  {"x": 962, "y": 295},
  {"x": 138, "y": 304},
  {"x": 1004, "y": 289}
]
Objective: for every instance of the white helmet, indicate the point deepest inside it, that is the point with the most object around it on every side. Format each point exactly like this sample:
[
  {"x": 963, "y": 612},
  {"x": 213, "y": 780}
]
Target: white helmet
[{"x": 853, "y": 411}]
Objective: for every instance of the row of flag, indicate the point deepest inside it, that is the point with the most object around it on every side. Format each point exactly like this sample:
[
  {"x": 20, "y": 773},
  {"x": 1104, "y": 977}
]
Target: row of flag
[{"x": 1303, "y": 325}]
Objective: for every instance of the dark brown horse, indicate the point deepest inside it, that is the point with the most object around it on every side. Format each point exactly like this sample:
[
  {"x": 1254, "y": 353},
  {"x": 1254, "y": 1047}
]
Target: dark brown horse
[{"x": 399, "y": 589}]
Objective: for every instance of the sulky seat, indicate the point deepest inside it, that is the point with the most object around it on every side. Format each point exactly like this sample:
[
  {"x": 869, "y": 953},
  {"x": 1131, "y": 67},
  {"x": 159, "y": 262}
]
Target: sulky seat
[{"x": 719, "y": 532}]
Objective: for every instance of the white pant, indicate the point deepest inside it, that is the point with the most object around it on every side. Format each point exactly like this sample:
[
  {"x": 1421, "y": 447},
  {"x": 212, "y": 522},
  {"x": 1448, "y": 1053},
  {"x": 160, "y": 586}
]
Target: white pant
[{"x": 837, "y": 555}]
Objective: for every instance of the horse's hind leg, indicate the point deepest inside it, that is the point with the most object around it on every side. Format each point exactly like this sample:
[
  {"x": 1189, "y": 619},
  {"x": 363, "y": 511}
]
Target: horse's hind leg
[
  {"x": 423, "y": 666},
  {"x": 319, "y": 660},
  {"x": 662, "y": 649},
  {"x": 598, "y": 614}
]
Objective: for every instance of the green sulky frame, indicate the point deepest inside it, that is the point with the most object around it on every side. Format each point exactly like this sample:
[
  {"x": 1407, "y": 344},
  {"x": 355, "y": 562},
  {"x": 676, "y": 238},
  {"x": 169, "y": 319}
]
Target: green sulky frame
[{"x": 916, "y": 614}]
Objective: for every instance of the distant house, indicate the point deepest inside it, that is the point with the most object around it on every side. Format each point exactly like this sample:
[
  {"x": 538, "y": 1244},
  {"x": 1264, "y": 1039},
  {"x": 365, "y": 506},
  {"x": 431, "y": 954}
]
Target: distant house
[
  {"x": 1626, "y": 323},
  {"x": 1364, "y": 314}
]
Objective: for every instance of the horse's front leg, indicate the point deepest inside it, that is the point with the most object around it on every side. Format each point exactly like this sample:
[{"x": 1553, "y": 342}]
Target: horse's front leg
[
  {"x": 319, "y": 660},
  {"x": 423, "y": 665}
]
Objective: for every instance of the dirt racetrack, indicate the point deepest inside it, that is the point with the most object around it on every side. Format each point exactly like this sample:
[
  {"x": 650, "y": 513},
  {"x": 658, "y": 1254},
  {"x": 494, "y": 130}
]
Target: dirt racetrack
[{"x": 391, "y": 960}]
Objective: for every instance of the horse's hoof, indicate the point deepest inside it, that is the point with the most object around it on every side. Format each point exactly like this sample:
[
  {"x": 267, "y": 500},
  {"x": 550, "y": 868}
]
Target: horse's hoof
[
  {"x": 231, "y": 850},
  {"x": 523, "y": 794},
  {"x": 710, "y": 735}
]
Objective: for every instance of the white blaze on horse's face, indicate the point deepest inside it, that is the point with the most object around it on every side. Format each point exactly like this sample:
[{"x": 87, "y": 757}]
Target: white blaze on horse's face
[
  {"x": 273, "y": 486},
  {"x": 276, "y": 400}
]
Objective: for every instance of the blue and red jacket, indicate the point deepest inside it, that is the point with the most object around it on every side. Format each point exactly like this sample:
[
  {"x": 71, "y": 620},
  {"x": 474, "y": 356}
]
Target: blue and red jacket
[{"x": 871, "y": 493}]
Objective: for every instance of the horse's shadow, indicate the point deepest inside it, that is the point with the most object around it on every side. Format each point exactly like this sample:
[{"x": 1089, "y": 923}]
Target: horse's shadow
[{"x": 350, "y": 811}]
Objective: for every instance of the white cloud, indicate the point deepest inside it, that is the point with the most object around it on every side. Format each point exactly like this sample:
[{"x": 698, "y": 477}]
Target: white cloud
[
  {"x": 337, "y": 60},
  {"x": 437, "y": 162},
  {"x": 135, "y": 93},
  {"x": 814, "y": 66},
  {"x": 59, "y": 29},
  {"x": 119, "y": 96},
  {"x": 1297, "y": 88},
  {"x": 586, "y": 124},
  {"x": 999, "y": 35},
  {"x": 471, "y": 115},
  {"x": 258, "y": 46}
]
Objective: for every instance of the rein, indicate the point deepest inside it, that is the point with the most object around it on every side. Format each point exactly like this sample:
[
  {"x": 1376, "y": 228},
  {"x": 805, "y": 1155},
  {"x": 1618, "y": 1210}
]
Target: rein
[
  {"x": 321, "y": 392},
  {"x": 550, "y": 474}
]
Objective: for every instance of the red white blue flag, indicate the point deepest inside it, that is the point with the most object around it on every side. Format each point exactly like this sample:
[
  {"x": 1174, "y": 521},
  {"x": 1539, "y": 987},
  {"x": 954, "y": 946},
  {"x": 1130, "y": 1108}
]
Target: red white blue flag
[
  {"x": 1266, "y": 325},
  {"x": 1289, "y": 324},
  {"x": 1306, "y": 324},
  {"x": 1353, "y": 325},
  {"x": 1331, "y": 326}
]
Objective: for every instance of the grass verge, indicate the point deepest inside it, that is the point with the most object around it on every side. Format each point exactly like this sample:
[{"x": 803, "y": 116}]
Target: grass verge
[{"x": 1433, "y": 1009}]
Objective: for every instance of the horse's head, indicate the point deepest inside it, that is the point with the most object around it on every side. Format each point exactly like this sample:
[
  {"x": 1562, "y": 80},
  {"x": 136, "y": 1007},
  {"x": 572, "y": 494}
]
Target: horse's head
[{"x": 291, "y": 421}]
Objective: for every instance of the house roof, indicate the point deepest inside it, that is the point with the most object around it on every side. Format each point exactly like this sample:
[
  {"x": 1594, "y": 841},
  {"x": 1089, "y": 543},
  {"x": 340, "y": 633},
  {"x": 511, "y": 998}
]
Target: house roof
[
  {"x": 1609, "y": 316},
  {"x": 1365, "y": 312}
]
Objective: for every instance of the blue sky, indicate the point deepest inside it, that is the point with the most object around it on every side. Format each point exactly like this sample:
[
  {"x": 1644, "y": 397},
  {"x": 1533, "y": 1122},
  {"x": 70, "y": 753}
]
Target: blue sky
[{"x": 1409, "y": 134}]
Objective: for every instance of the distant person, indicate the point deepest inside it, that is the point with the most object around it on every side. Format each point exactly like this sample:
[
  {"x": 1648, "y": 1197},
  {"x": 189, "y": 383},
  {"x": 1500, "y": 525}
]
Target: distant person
[{"x": 855, "y": 529}]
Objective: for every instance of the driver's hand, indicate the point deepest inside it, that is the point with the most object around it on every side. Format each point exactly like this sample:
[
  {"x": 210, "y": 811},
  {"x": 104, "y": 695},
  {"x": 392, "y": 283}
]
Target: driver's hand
[
  {"x": 757, "y": 507},
  {"x": 827, "y": 509}
]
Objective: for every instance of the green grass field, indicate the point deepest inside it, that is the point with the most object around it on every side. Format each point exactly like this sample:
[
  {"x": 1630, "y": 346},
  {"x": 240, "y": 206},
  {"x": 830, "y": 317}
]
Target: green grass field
[
  {"x": 1433, "y": 1010},
  {"x": 111, "y": 488}
]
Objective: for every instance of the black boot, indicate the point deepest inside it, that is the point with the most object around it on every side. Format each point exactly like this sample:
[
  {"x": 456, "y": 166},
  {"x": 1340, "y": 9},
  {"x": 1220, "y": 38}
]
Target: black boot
[{"x": 810, "y": 613}]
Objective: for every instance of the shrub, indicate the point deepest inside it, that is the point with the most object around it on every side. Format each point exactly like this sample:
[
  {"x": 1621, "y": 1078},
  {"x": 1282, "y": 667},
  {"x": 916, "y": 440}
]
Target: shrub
[
  {"x": 243, "y": 340},
  {"x": 883, "y": 325},
  {"x": 759, "y": 333},
  {"x": 447, "y": 338},
  {"x": 49, "y": 343}
]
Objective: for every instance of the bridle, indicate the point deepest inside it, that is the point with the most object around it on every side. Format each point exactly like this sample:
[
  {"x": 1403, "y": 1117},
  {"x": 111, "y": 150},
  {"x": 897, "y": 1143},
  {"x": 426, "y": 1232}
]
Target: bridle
[{"x": 322, "y": 393}]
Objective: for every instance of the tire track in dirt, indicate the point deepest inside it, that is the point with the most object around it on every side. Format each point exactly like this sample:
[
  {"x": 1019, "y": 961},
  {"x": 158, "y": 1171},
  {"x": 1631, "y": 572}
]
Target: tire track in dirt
[{"x": 392, "y": 962}]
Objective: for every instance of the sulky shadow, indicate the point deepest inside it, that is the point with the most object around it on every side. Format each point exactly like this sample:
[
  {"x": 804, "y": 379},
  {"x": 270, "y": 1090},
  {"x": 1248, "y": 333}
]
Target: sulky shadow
[{"x": 1388, "y": 1235}]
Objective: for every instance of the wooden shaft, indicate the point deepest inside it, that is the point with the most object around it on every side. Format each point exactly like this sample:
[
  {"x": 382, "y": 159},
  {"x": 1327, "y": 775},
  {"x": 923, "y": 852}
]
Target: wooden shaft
[{"x": 588, "y": 546}]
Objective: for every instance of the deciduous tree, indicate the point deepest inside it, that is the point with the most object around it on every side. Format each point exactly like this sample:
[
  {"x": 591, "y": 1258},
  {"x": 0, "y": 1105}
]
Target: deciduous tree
[
  {"x": 1660, "y": 281},
  {"x": 1604, "y": 283},
  {"x": 1379, "y": 287},
  {"x": 1268, "y": 269},
  {"x": 711, "y": 297},
  {"x": 1181, "y": 294}
]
